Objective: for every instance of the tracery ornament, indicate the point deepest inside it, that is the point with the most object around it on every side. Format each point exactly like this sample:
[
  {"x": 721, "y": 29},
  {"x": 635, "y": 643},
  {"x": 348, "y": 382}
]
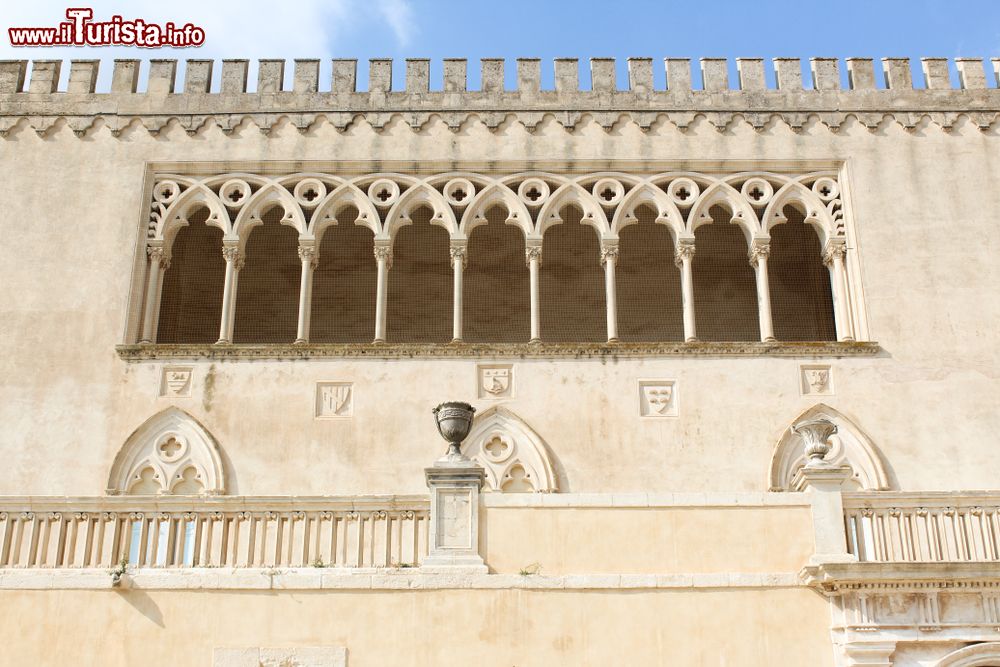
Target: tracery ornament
[
  {"x": 840, "y": 443},
  {"x": 515, "y": 458},
  {"x": 171, "y": 453}
]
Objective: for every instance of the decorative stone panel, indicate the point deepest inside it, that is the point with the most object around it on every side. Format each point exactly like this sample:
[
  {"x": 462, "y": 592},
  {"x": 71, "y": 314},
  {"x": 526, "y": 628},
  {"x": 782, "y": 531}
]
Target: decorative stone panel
[
  {"x": 334, "y": 400},
  {"x": 658, "y": 398}
]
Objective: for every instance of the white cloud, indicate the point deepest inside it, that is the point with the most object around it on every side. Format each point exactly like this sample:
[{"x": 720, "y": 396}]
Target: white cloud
[{"x": 250, "y": 29}]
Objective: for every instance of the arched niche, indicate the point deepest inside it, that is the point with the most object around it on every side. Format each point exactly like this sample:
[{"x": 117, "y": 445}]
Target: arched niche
[
  {"x": 170, "y": 454},
  {"x": 515, "y": 458},
  {"x": 850, "y": 446},
  {"x": 986, "y": 654}
]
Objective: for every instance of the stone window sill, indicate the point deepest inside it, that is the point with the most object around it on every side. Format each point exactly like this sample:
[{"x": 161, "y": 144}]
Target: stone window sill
[{"x": 139, "y": 352}]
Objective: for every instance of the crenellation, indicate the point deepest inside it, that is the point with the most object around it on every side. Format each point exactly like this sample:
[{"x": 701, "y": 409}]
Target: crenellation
[
  {"x": 678, "y": 75},
  {"x": 640, "y": 75},
  {"x": 418, "y": 75},
  {"x": 306, "y": 76},
  {"x": 825, "y": 73},
  {"x": 936, "y": 75},
  {"x": 788, "y": 73},
  {"x": 455, "y": 75},
  {"x": 83, "y": 76},
  {"x": 861, "y": 73},
  {"x": 380, "y": 75},
  {"x": 161, "y": 77},
  {"x": 751, "y": 73},
  {"x": 345, "y": 75},
  {"x": 234, "y": 76},
  {"x": 898, "y": 75},
  {"x": 125, "y": 76},
  {"x": 567, "y": 75},
  {"x": 12, "y": 74},
  {"x": 714, "y": 74},
  {"x": 603, "y": 78},
  {"x": 198, "y": 76},
  {"x": 271, "y": 76},
  {"x": 529, "y": 76},
  {"x": 492, "y": 75},
  {"x": 44, "y": 76},
  {"x": 971, "y": 74},
  {"x": 996, "y": 71}
]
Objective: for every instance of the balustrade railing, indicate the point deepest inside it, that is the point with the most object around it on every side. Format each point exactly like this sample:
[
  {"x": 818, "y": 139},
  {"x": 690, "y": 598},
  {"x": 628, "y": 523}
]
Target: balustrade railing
[
  {"x": 365, "y": 531},
  {"x": 926, "y": 527}
]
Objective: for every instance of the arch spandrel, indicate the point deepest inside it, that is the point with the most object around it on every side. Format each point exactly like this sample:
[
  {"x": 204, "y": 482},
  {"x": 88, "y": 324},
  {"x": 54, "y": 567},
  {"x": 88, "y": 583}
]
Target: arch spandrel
[
  {"x": 515, "y": 457},
  {"x": 170, "y": 451},
  {"x": 850, "y": 446}
]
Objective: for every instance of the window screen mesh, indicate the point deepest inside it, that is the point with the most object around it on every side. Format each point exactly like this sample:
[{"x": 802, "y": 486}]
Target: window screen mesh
[
  {"x": 419, "y": 302},
  {"x": 572, "y": 283},
  {"x": 267, "y": 294},
  {"x": 191, "y": 300},
  {"x": 725, "y": 288},
  {"x": 801, "y": 300},
  {"x": 648, "y": 283},
  {"x": 344, "y": 284},
  {"x": 496, "y": 295}
]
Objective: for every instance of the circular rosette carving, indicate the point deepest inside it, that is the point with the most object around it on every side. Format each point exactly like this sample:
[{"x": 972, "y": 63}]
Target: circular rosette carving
[
  {"x": 498, "y": 448},
  {"x": 171, "y": 448},
  {"x": 757, "y": 191},
  {"x": 459, "y": 191},
  {"x": 309, "y": 192},
  {"x": 683, "y": 191},
  {"x": 383, "y": 192},
  {"x": 165, "y": 192},
  {"x": 234, "y": 193},
  {"x": 608, "y": 191},
  {"x": 533, "y": 192},
  {"x": 826, "y": 188}
]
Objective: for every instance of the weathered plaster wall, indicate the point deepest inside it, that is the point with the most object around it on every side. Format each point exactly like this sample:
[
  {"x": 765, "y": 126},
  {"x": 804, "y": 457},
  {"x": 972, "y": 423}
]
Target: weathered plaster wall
[
  {"x": 924, "y": 202},
  {"x": 496, "y": 628}
]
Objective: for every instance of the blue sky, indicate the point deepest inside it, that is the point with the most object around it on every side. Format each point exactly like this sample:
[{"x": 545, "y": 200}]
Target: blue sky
[{"x": 520, "y": 28}]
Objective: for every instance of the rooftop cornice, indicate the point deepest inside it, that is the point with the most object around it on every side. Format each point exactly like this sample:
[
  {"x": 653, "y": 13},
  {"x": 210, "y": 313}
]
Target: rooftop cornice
[{"x": 194, "y": 107}]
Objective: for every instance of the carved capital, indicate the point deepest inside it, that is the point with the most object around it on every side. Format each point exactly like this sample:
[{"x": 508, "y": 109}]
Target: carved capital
[
  {"x": 159, "y": 255},
  {"x": 234, "y": 255},
  {"x": 609, "y": 253},
  {"x": 834, "y": 251},
  {"x": 683, "y": 251},
  {"x": 533, "y": 252},
  {"x": 457, "y": 253},
  {"x": 310, "y": 254},
  {"x": 384, "y": 252},
  {"x": 759, "y": 250}
]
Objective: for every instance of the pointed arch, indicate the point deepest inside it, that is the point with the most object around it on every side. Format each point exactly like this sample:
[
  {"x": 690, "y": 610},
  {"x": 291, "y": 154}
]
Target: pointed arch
[
  {"x": 724, "y": 195},
  {"x": 493, "y": 195},
  {"x": 189, "y": 202},
  {"x": 162, "y": 453},
  {"x": 804, "y": 200},
  {"x": 345, "y": 195},
  {"x": 986, "y": 654},
  {"x": 516, "y": 458},
  {"x": 252, "y": 213},
  {"x": 573, "y": 194},
  {"x": 648, "y": 194},
  {"x": 416, "y": 197},
  {"x": 851, "y": 447}
]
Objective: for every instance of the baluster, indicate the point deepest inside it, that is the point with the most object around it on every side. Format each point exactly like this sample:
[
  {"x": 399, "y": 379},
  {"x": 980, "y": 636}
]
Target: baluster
[
  {"x": 36, "y": 528},
  {"x": 306, "y": 542},
  {"x": 361, "y": 539},
  {"x": 7, "y": 523}
]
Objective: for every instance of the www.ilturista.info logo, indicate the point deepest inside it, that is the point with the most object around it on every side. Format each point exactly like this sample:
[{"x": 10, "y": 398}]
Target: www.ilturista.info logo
[{"x": 80, "y": 30}]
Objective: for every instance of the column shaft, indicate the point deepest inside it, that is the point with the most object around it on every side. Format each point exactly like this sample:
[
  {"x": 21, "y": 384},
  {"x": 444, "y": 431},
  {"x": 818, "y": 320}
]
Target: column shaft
[
  {"x": 534, "y": 255},
  {"x": 156, "y": 258},
  {"x": 308, "y": 256},
  {"x": 758, "y": 258},
  {"x": 683, "y": 258},
  {"x": 609, "y": 257},
  {"x": 383, "y": 256},
  {"x": 234, "y": 261},
  {"x": 458, "y": 265}
]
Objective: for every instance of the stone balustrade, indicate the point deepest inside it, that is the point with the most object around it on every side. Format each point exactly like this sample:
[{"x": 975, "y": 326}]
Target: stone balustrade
[
  {"x": 923, "y": 527},
  {"x": 362, "y": 531}
]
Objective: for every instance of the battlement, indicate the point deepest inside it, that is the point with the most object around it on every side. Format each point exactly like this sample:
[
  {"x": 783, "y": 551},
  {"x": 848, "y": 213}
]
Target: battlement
[{"x": 705, "y": 88}]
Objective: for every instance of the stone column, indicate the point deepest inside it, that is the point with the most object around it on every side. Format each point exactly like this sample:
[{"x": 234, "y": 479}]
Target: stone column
[
  {"x": 759, "y": 252},
  {"x": 683, "y": 258},
  {"x": 533, "y": 255},
  {"x": 458, "y": 261},
  {"x": 383, "y": 256},
  {"x": 159, "y": 261},
  {"x": 234, "y": 262},
  {"x": 309, "y": 255},
  {"x": 824, "y": 482},
  {"x": 609, "y": 257},
  {"x": 833, "y": 258}
]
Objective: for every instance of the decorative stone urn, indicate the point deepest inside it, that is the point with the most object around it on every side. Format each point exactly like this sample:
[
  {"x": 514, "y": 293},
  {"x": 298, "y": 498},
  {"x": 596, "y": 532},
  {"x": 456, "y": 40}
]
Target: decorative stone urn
[
  {"x": 454, "y": 421},
  {"x": 816, "y": 433}
]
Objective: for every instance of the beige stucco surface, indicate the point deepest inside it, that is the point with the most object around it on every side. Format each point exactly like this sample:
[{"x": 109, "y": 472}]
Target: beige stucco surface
[
  {"x": 494, "y": 628},
  {"x": 646, "y": 541},
  {"x": 923, "y": 205}
]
